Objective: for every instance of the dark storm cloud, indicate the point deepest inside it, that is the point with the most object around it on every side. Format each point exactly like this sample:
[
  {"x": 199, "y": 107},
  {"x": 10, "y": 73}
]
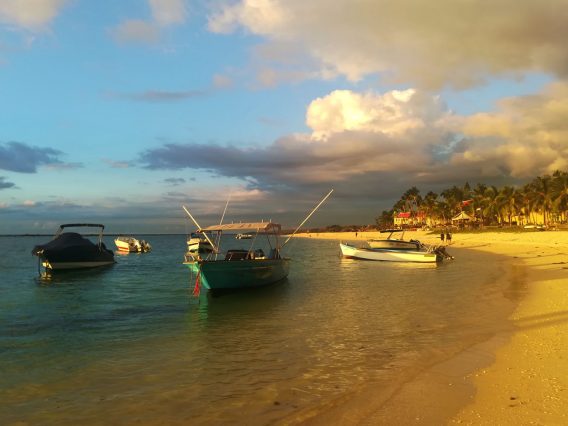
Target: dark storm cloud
[
  {"x": 22, "y": 158},
  {"x": 293, "y": 161},
  {"x": 286, "y": 160},
  {"x": 4, "y": 184}
]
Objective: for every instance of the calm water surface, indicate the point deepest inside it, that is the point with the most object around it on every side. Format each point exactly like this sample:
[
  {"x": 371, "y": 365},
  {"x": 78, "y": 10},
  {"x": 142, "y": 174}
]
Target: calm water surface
[{"x": 129, "y": 344}]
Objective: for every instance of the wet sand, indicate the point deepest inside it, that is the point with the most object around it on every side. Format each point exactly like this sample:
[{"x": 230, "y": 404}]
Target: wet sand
[{"x": 517, "y": 376}]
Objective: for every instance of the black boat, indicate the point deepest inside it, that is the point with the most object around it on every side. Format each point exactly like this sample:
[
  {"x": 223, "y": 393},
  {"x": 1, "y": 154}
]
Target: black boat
[{"x": 70, "y": 250}]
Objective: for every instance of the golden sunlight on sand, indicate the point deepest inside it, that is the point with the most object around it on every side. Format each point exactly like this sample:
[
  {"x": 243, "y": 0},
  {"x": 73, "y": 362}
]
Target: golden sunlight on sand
[{"x": 513, "y": 378}]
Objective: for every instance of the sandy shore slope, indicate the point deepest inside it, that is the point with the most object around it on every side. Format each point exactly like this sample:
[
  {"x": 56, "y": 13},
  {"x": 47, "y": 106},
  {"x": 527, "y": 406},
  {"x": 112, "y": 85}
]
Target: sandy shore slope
[{"x": 514, "y": 378}]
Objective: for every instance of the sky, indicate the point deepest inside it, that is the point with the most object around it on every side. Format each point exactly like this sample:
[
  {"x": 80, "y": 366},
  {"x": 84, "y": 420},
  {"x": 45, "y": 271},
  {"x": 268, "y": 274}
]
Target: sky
[{"x": 120, "y": 112}]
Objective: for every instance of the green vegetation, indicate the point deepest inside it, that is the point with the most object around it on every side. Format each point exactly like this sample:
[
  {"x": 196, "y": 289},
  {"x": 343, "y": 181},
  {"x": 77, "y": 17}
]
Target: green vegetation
[{"x": 542, "y": 201}]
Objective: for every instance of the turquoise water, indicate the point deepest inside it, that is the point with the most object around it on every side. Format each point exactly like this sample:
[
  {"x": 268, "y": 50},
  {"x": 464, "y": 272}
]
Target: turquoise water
[{"x": 129, "y": 344}]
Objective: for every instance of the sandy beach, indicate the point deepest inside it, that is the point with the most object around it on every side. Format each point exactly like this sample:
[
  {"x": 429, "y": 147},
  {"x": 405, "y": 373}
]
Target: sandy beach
[{"x": 517, "y": 376}]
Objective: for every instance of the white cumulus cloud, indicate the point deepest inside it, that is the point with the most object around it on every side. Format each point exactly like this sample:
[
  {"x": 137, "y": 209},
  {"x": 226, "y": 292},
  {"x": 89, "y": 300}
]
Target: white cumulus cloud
[
  {"x": 168, "y": 12},
  {"x": 30, "y": 14},
  {"x": 423, "y": 44},
  {"x": 136, "y": 31},
  {"x": 393, "y": 113},
  {"x": 527, "y": 136}
]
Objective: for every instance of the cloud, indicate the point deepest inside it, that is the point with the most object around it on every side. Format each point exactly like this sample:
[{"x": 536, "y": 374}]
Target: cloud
[
  {"x": 63, "y": 166},
  {"x": 174, "y": 181},
  {"x": 22, "y": 158},
  {"x": 168, "y": 12},
  {"x": 395, "y": 113},
  {"x": 165, "y": 13},
  {"x": 4, "y": 184},
  {"x": 136, "y": 31},
  {"x": 30, "y": 14},
  {"x": 219, "y": 82},
  {"x": 462, "y": 42},
  {"x": 370, "y": 143},
  {"x": 527, "y": 136},
  {"x": 117, "y": 164},
  {"x": 222, "y": 81},
  {"x": 159, "y": 95},
  {"x": 352, "y": 134}
]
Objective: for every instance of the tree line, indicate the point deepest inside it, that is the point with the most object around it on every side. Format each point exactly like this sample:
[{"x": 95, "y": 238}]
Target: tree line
[{"x": 544, "y": 199}]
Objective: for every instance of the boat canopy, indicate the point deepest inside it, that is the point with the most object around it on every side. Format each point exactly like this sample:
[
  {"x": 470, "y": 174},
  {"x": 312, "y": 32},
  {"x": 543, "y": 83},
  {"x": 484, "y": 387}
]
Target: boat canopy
[
  {"x": 69, "y": 225},
  {"x": 265, "y": 227},
  {"x": 76, "y": 225}
]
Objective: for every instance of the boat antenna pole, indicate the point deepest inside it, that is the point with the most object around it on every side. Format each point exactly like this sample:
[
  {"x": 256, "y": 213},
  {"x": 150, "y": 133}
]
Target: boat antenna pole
[
  {"x": 225, "y": 211},
  {"x": 218, "y": 239},
  {"x": 306, "y": 219},
  {"x": 199, "y": 227}
]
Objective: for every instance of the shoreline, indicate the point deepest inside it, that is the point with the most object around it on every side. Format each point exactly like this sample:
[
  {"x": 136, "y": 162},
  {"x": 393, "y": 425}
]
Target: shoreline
[{"x": 516, "y": 376}]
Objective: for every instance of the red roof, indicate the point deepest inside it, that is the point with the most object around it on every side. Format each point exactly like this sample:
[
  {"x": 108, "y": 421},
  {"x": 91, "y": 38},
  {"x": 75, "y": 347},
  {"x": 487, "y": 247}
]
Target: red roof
[{"x": 403, "y": 215}]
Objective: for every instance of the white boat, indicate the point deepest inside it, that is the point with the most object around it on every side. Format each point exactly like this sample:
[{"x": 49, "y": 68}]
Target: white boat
[
  {"x": 129, "y": 244},
  {"x": 394, "y": 243},
  {"x": 198, "y": 245},
  {"x": 435, "y": 254}
]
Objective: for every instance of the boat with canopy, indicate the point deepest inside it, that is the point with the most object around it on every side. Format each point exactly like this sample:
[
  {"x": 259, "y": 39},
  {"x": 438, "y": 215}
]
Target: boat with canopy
[
  {"x": 245, "y": 267},
  {"x": 71, "y": 250},
  {"x": 248, "y": 266}
]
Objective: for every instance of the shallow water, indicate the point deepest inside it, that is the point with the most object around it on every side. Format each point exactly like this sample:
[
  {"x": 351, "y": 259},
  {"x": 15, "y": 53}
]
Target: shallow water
[{"x": 129, "y": 344}]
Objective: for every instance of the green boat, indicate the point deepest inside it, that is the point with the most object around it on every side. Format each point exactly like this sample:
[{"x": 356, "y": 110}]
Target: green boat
[{"x": 239, "y": 268}]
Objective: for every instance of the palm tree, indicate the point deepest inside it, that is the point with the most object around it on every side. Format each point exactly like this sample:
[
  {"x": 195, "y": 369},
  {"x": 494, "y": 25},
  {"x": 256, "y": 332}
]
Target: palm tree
[
  {"x": 429, "y": 205},
  {"x": 508, "y": 199},
  {"x": 479, "y": 200},
  {"x": 385, "y": 220},
  {"x": 492, "y": 210},
  {"x": 542, "y": 195},
  {"x": 559, "y": 192},
  {"x": 545, "y": 194},
  {"x": 453, "y": 198}
]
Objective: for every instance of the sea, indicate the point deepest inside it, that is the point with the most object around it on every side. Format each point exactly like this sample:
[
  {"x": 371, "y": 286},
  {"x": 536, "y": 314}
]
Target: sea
[{"x": 131, "y": 344}]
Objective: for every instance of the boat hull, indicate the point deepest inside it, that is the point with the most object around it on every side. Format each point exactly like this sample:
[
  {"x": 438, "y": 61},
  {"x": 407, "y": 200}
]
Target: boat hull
[
  {"x": 389, "y": 255},
  {"x": 196, "y": 246},
  {"x": 239, "y": 274},
  {"x": 125, "y": 247},
  {"x": 65, "y": 266}
]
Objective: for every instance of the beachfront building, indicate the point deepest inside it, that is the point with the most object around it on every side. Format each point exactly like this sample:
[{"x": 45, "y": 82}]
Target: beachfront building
[{"x": 410, "y": 219}]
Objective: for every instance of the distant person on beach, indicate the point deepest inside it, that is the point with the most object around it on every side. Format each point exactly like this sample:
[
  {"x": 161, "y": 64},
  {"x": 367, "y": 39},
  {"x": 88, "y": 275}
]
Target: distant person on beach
[
  {"x": 442, "y": 237},
  {"x": 449, "y": 238}
]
